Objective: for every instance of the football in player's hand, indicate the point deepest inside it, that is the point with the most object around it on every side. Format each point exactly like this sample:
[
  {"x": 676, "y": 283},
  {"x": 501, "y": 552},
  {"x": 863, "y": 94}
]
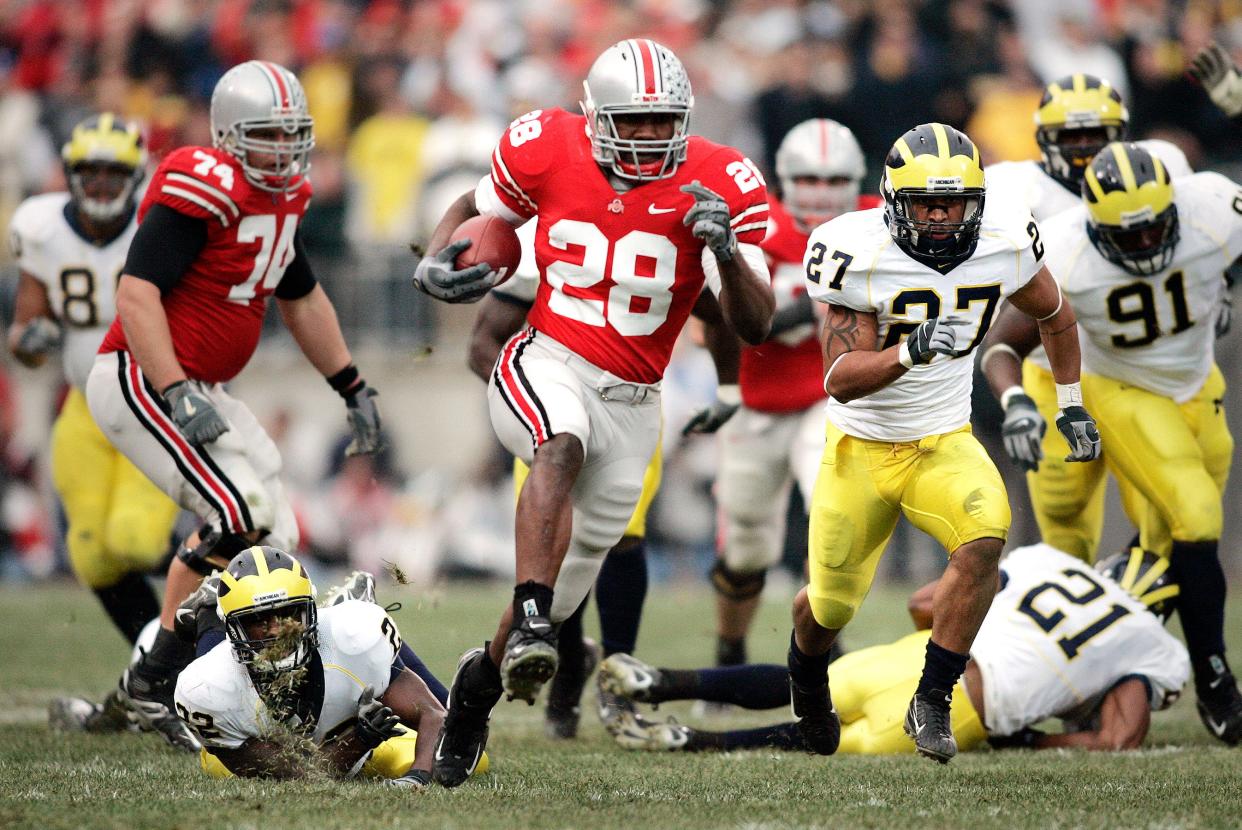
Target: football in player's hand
[{"x": 494, "y": 241}]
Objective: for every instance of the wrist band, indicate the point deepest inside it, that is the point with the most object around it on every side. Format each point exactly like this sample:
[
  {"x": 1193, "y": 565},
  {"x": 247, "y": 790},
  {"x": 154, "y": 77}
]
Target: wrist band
[
  {"x": 993, "y": 351},
  {"x": 1069, "y": 394},
  {"x": 1008, "y": 394},
  {"x": 729, "y": 393},
  {"x": 904, "y": 357},
  {"x": 347, "y": 381}
]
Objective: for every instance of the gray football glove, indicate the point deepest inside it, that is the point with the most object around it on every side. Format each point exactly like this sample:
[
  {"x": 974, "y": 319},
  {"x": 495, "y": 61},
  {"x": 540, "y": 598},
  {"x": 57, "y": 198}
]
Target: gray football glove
[
  {"x": 40, "y": 336},
  {"x": 437, "y": 275},
  {"x": 376, "y": 722},
  {"x": 194, "y": 413},
  {"x": 708, "y": 419},
  {"x": 1080, "y": 433},
  {"x": 709, "y": 219},
  {"x": 364, "y": 422},
  {"x": 415, "y": 779},
  {"x": 933, "y": 337},
  {"x": 1023, "y": 431},
  {"x": 1214, "y": 69}
]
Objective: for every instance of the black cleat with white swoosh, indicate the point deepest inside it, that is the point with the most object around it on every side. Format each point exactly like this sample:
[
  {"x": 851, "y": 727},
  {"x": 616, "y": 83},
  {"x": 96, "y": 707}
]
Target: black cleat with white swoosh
[
  {"x": 929, "y": 724},
  {"x": 530, "y": 658},
  {"x": 1220, "y": 709},
  {"x": 818, "y": 722},
  {"x": 464, "y": 736}
]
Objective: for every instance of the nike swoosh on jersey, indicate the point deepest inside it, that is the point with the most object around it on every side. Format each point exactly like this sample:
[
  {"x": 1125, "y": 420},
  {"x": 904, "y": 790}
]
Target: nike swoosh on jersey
[{"x": 652, "y": 209}]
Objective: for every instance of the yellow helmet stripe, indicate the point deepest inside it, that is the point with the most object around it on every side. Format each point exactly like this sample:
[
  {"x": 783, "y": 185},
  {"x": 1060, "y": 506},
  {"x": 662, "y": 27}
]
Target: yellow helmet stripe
[
  {"x": 260, "y": 561},
  {"x": 1132, "y": 567},
  {"x": 1153, "y": 573},
  {"x": 942, "y": 140},
  {"x": 903, "y": 148},
  {"x": 1160, "y": 595},
  {"x": 1123, "y": 166}
]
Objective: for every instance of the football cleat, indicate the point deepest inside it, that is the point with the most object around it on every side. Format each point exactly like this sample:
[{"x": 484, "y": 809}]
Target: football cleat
[
  {"x": 627, "y": 676},
  {"x": 636, "y": 733},
  {"x": 929, "y": 724},
  {"x": 77, "y": 714},
  {"x": 359, "y": 585},
  {"x": 149, "y": 703},
  {"x": 530, "y": 659},
  {"x": 201, "y": 603},
  {"x": 818, "y": 722},
  {"x": 1221, "y": 713},
  {"x": 616, "y": 711},
  {"x": 464, "y": 736},
  {"x": 565, "y": 694}
]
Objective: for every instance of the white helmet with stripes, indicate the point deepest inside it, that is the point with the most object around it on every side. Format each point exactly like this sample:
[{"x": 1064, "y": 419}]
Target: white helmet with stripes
[
  {"x": 820, "y": 167},
  {"x": 637, "y": 77},
  {"x": 265, "y": 98}
]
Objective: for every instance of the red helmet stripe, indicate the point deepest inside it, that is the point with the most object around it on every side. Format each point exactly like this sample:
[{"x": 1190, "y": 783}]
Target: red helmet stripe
[
  {"x": 281, "y": 86},
  {"x": 823, "y": 139},
  {"x": 644, "y": 49}
]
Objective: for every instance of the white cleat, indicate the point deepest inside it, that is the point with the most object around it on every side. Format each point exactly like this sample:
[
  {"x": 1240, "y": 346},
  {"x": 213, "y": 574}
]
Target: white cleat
[
  {"x": 628, "y": 676},
  {"x": 649, "y": 736},
  {"x": 359, "y": 585}
]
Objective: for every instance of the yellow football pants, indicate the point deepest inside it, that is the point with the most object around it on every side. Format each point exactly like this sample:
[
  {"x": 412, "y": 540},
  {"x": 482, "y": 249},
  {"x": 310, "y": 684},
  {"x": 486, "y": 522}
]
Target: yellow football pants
[
  {"x": 651, "y": 485},
  {"x": 391, "y": 759},
  {"x": 1068, "y": 497},
  {"x": 946, "y": 485},
  {"x": 1176, "y": 455},
  {"x": 118, "y": 520},
  {"x": 871, "y": 689}
]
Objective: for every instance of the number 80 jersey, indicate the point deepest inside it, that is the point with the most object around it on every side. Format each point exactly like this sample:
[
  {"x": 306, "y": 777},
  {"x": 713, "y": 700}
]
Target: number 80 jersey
[
  {"x": 853, "y": 262},
  {"x": 215, "y": 313}
]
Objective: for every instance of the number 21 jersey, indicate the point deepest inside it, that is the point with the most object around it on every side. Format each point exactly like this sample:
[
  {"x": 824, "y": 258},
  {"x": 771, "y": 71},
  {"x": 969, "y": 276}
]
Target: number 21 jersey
[{"x": 215, "y": 312}]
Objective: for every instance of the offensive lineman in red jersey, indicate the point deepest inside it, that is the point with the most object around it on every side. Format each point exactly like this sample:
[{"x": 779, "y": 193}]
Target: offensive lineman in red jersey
[
  {"x": 218, "y": 235},
  {"x": 772, "y": 423},
  {"x": 634, "y": 217}
]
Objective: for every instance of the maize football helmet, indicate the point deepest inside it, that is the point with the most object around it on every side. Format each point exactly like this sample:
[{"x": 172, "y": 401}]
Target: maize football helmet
[
  {"x": 1132, "y": 219},
  {"x": 820, "y": 167},
  {"x": 260, "y": 96},
  {"x": 1077, "y": 116},
  {"x": 637, "y": 77},
  {"x": 101, "y": 145},
  {"x": 1146, "y": 576},
  {"x": 267, "y": 603},
  {"x": 939, "y": 163}
]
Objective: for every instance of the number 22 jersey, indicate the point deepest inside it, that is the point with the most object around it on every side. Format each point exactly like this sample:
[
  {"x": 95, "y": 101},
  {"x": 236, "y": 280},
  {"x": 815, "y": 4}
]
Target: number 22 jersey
[
  {"x": 215, "y": 312},
  {"x": 620, "y": 272}
]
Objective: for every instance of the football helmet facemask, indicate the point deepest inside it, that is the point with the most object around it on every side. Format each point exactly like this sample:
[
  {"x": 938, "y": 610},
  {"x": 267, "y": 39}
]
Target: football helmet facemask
[
  {"x": 820, "y": 167},
  {"x": 637, "y": 77},
  {"x": 938, "y": 163},
  {"x": 1132, "y": 219},
  {"x": 267, "y": 603},
  {"x": 259, "y": 116},
  {"x": 1077, "y": 116},
  {"x": 1145, "y": 575},
  {"x": 104, "y": 145}
]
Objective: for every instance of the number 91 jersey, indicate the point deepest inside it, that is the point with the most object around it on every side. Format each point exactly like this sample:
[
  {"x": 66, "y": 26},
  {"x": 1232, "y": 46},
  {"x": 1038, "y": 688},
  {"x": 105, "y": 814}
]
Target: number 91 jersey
[
  {"x": 1060, "y": 636},
  {"x": 853, "y": 262},
  {"x": 80, "y": 277},
  {"x": 215, "y": 312},
  {"x": 620, "y": 272}
]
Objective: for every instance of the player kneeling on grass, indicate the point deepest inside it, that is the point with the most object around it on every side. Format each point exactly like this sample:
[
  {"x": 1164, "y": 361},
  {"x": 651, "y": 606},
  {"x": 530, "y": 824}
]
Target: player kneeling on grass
[
  {"x": 295, "y": 689},
  {"x": 1060, "y": 640}
]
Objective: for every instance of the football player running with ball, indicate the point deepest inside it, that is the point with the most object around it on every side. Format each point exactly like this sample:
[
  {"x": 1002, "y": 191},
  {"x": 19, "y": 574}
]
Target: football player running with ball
[
  {"x": 635, "y": 216},
  {"x": 1141, "y": 259},
  {"x": 217, "y": 235},
  {"x": 911, "y": 290},
  {"x": 70, "y": 249}
]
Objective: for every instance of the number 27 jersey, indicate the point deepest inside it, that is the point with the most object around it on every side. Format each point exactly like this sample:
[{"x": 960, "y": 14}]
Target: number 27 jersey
[
  {"x": 852, "y": 261},
  {"x": 620, "y": 272}
]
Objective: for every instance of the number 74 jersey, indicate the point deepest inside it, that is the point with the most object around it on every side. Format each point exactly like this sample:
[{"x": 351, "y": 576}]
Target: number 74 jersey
[{"x": 853, "y": 262}]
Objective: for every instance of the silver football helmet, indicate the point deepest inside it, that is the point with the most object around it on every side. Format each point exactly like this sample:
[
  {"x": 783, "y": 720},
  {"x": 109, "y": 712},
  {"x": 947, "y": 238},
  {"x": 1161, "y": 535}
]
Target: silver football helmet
[
  {"x": 819, "y": 149},
  {"x": 634, "y": 77},
  {"x": 260, "y": 95}
]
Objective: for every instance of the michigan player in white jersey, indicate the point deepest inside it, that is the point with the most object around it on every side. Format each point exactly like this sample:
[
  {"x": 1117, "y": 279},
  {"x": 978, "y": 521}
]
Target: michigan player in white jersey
[
  {"x": 1141, "y": 260},
  {"x": 70, "y": 248},
  {"x": 1059, "y": 641},
  {"x": 1077, "y": 116},
  {"x": 294, "y": 687},
  {"x": 911, "y": 290}
]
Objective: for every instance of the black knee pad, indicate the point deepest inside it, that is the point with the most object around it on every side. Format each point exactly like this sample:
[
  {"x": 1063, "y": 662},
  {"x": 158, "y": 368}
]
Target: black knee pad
[
  {"x": 214, "y": 550},
  {"x": 734, "y": 585}
]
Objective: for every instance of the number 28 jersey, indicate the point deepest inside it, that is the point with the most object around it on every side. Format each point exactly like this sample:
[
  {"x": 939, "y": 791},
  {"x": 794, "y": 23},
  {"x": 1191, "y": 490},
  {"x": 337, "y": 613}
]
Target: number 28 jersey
[
  {"x": 215, "y": 312},
  {"x": 852, "y": 261},
  {"x": 1060, "y": 636},
  {"x": 619, "y": 271}
]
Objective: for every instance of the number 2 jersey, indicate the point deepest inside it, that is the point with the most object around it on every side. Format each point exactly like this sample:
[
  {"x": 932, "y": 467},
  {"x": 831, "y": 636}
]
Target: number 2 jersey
[
  {"x": 80, "y": 276},
  {"x": 620, "y": 273},
  {"x": 1059, "y": 636},
  {"x": 1157, "y": 332},
  {"x": 358, "y": 643},
  {"x": 215, "y": 312},
  {"x": 853, "y": 262}
]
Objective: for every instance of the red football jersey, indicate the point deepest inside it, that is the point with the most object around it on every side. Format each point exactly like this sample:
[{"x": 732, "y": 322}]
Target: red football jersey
[
  {"x": 619, "y": 271},
  {"x": 786, "y": 374},
  {"x": 215, "y": 313}
]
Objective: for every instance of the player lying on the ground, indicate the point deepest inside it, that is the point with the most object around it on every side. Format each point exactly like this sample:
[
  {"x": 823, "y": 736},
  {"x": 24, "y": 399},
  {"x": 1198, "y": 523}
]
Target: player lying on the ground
[
  {"x": 1060, "y": 640},
  {"x": 294, "y": 688}
]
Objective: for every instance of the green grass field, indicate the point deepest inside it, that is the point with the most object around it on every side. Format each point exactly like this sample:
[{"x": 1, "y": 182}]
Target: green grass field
[{"x": 54, "y": 640}]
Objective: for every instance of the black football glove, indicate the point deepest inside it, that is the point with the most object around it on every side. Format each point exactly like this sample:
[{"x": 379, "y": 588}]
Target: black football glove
[
  {"x": 438, "y": 275},
  {"x": 415, "y": 779},
  {"x": 194, "y": 413},
  {"x": 376, "y": 722},
  {"x": 1080, "y": 433},
  {"x": 364, "y": 422},
  {"x": 933, "y": 337},
  {"x": 1023, "y": 431},
  {"x": 708, "y": 419}
]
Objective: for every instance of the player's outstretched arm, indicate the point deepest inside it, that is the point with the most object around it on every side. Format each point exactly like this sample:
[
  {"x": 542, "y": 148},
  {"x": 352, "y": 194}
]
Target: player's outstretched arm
[
  {"x": 410, "y": 699},
  {"x": 726, "y": 351},
  {"x": 34, "y": 333},
  {"x": 1213, "y": 68},
  {"x": 496, "y": 322},
  {"x": 257, "y": 758},
  {"x": 1125, "y": 717},
  {"x": 1010, "y": 340}
]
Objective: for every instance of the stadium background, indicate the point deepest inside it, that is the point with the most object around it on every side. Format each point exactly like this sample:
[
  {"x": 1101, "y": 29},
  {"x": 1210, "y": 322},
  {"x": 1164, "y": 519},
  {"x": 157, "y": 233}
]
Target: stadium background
[{"x": 408, "y": 100}]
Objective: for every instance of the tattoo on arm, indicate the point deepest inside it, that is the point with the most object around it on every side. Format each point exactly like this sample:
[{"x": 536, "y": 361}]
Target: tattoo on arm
[{"x": 841, "y": 330}]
